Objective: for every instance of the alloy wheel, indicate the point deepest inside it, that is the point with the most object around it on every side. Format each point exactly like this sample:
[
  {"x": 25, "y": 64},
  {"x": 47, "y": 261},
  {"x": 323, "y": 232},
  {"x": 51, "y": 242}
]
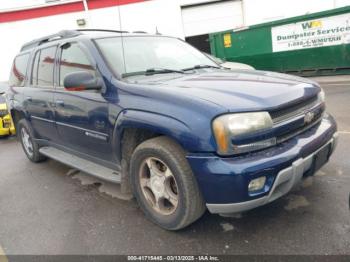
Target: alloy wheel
[
  {"x": 159, "y": 186},
  {"x": 27, "y": 142}
]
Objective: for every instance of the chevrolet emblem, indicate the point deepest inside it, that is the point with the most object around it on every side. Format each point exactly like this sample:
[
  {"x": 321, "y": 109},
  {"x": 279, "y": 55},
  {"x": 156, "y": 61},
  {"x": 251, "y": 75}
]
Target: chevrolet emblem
[{"x": 309, "y": 116}]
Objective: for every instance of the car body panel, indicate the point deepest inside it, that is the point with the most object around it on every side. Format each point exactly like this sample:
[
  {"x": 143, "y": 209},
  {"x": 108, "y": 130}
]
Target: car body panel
[
  {"x": 235, "y": 66},
  {"x": 82, "y": 122},
  {"x": 225, "y": 180},
  {"x": 181, "y": 106},
  {"x": 239, "y": 91},
  {"x": 229, "y": 65},
  {"x": 40, "y": 109}
]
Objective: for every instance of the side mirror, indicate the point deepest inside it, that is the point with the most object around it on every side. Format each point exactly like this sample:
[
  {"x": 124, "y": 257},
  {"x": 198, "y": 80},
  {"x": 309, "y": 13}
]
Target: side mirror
[{"x": 82, "y": 80}]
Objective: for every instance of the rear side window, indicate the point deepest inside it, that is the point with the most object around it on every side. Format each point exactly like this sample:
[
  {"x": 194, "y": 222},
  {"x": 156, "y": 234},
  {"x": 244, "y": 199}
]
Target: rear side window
[
  {"x": 19, "y": 70},
  {"x": 43, "y": 67},
  {"x": 34, "y": 80}
]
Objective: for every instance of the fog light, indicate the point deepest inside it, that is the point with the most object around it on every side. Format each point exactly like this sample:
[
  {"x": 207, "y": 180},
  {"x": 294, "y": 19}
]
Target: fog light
[{"x": 257, "y": 184}]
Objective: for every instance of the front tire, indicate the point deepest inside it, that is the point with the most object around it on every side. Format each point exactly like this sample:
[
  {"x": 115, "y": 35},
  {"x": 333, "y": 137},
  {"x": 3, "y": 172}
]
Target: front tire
[
  {"x": 164, "y": 185},
  {"x": 30, "y": 147}
]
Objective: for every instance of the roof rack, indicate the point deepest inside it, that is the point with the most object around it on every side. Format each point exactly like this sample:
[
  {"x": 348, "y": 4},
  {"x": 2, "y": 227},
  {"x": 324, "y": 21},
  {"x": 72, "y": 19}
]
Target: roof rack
[
  {"x": 65, "y": 34},
  {"x": 102, "y": 30},
  {"x": 60, "y": 35}
]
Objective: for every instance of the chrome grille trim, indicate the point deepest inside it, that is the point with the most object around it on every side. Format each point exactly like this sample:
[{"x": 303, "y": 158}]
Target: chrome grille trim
[
  {"x": 299, "y": 112},
  {"x": 294, "y": 113},
  {"x": 281, "y": 139}
]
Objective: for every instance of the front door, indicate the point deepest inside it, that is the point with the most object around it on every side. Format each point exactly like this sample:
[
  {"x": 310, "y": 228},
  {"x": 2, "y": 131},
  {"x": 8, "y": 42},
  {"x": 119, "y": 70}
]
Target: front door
[{"x": 81, "y": 116}]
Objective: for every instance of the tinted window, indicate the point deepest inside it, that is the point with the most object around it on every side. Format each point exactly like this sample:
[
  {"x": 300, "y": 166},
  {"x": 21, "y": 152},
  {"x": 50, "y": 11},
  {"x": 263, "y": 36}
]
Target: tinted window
[
  {"x": 73, "y": 59},
  {"x": 45, "y": 67},
  {"x": 19, "y": 70},
  {"x": 34, "y": 80}
]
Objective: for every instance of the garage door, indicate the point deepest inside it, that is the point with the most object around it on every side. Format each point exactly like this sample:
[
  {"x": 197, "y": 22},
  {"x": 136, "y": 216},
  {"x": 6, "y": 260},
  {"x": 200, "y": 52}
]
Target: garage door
[{"x": 211, "y": 17}]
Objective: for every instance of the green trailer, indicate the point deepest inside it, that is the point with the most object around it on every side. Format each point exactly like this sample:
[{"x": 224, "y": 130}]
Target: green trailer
[{"x": 313, "y": 44}]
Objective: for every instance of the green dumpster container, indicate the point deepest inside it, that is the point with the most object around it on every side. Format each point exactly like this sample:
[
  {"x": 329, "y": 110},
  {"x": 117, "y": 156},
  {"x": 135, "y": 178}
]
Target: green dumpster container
[{"x": 313, "y": 44}]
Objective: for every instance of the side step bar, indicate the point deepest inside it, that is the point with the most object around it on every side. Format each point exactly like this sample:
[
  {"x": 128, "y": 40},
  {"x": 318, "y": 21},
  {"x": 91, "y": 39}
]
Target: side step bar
[{"x": 81, "y": 164}]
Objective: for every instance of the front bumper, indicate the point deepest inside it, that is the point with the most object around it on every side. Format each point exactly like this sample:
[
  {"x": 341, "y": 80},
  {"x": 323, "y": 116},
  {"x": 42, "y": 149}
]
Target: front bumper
[
  {"x": 224, "y": 181},
  {"x": 285, "y": 181}
]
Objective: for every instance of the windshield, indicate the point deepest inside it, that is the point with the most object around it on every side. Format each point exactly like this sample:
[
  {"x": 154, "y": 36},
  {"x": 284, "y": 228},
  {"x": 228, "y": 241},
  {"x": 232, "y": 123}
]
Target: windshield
[{"x": 144, "y": 53}]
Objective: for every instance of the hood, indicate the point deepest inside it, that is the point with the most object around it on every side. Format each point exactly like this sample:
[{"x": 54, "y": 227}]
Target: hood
[
  {"x": 238, "y": 90},
  {"x": 235, "y": 65}
]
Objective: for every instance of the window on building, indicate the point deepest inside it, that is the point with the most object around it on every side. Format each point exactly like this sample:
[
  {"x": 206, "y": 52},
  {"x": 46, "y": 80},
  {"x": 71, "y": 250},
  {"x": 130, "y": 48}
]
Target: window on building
[
  {"x": 73, "y": 59},
  {"x": 19, "y": 70}
]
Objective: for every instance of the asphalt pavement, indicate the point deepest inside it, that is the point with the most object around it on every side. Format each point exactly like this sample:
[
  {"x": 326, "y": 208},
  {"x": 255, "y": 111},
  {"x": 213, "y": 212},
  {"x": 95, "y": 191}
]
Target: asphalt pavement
[{"x": 48, "y": 209}]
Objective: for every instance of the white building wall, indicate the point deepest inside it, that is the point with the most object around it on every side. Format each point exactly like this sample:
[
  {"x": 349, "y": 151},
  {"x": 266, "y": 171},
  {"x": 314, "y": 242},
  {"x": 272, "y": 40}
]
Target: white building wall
[
  {"x": 9, "y": 4},
  {"x": 261, "y": 11},
  {"x": 211, "y": 18},
  {"x": 19, "y": 4},
  {"x": 341, "y": 3},
  {"x": 165, "y": 15},
  {"x": 17, "y": 33}
]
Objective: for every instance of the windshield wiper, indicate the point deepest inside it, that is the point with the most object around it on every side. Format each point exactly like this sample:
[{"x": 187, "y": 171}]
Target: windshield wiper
[
  {"x": 154, "y": 71},
  {"x": 200, "y": 67}
]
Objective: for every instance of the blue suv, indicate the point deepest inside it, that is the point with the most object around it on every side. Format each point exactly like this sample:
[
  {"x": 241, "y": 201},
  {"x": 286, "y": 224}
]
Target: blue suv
[{"x": 175, "y": 129}]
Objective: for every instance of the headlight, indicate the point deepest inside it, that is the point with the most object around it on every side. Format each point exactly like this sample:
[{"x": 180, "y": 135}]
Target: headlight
[
  {"x": 321, "y": 96},
  {"x": 229, "y": 126}
]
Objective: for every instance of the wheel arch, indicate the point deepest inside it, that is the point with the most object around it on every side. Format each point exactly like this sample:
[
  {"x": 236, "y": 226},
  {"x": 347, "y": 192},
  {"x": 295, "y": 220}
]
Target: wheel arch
[
  {"x": 16, "y": 116},
  {"x": 133, "y": 127}
]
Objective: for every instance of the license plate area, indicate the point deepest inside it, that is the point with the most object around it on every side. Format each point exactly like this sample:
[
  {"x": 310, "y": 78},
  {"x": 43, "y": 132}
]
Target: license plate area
[{"x": 321, "y": 157}]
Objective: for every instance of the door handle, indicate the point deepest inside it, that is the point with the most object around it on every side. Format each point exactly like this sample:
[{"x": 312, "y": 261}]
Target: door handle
[
  {"x": 29, "y": 98},
  {"x": 59, "y": 102}
]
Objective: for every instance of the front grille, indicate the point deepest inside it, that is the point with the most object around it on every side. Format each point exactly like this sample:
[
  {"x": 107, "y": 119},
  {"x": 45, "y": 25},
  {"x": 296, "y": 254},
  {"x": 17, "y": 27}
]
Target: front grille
[
  {"x": 293, "y": 110},
  {"x": 292, "y": 118},
  {"x": 301, "y": 129}
]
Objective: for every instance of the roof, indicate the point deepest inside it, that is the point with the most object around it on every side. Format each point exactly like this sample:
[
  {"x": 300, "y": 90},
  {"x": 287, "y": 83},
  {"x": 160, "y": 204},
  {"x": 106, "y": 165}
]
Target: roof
[{"x": 66, "y": 34}]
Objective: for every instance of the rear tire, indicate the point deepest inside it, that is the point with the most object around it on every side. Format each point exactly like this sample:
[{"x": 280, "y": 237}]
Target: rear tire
[
  {"x": 30, "y": 147},
  {"x": 164, "y": 185}
]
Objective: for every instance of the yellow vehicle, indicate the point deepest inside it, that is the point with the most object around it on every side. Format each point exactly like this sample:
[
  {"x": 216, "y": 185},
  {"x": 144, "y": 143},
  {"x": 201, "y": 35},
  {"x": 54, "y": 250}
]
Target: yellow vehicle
[{"x": 6, "y": 123}]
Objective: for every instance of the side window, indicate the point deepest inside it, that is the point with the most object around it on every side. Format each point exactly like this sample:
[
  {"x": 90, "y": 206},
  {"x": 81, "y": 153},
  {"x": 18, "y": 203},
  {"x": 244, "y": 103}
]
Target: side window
[
  {"x": 34, "y": 80},
  {"x": 44, "y": 67},
  {"x": 73, "y": 59},
  {"x": 19, "y": 70}
]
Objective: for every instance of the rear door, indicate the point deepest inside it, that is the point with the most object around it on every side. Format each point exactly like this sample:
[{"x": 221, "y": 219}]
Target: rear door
[
  {"x": 17, "y": 81},
  {"x": 81, "y": 116},
  {"x": 39, "y": 93}
]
